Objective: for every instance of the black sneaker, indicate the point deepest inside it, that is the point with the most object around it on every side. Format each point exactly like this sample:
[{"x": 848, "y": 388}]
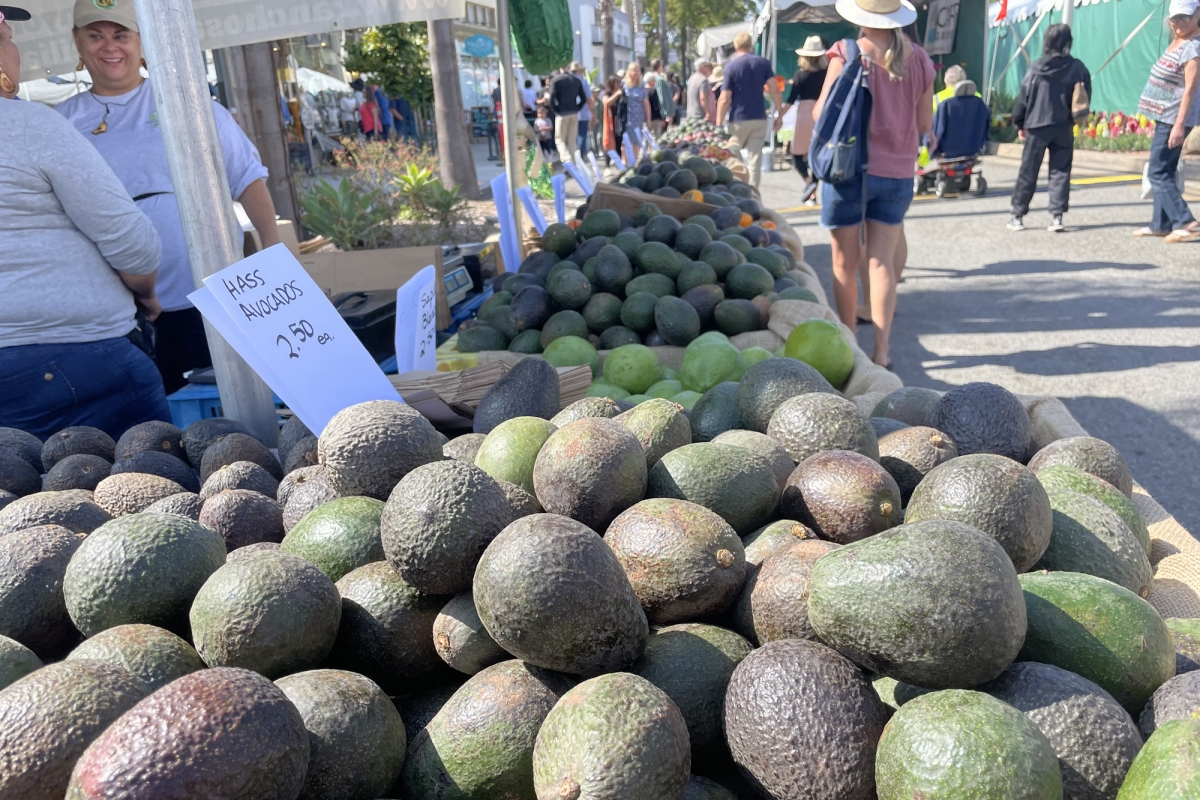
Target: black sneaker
[
  {"x": 1056, "y": 224},
  {"x": 1016, "y": 223}
]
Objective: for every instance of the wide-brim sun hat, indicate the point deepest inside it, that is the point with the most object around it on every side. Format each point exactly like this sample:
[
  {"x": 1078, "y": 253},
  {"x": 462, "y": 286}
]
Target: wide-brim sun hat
[
  {"x": 717, "y": 75},
  {"x": 812, "y": 48},
  {"x": 119, "y": 11},
  {"x": 879, "y": 14}
]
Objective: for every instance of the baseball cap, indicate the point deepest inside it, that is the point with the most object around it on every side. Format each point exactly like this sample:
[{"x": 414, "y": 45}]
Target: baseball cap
[
  {"x": 14, "y": 14},
  {"x": 1183, "y": 8},
  {"x": 119, "y": 11}
]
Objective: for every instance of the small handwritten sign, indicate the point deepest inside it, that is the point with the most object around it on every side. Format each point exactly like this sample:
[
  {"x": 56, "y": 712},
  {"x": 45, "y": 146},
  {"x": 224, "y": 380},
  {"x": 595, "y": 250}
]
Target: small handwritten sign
[
  {"x": 629, "y": 153},
  {"x": 648, "y": 138},
  {"x": 288, "y": 331},
  {"x": 416, "y": 322},
  {"x": 616, "y": 159}
]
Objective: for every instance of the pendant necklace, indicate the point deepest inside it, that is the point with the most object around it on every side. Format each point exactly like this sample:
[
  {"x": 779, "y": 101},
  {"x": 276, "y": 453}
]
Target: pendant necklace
[{"x": 103, "y": 126}]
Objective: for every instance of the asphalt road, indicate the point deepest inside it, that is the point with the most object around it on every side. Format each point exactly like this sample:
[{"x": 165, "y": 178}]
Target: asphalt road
[{"x": 1107, "y": 322}]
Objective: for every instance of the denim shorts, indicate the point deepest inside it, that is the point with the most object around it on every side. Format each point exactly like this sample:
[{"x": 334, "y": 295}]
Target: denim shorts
[
  {"x": 109, "y": 384},
  {"x": 888, "y": 200}
]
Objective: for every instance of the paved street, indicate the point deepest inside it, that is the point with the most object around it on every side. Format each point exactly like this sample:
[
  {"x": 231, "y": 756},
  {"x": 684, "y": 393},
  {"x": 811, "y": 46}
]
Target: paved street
[{"x": 1107, "y": 322}]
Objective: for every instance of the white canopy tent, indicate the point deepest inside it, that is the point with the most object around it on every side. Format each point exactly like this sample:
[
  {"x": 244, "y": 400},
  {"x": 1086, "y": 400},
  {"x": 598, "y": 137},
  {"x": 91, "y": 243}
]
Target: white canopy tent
[
  {"x": 712, "y": 40},
  {"x": 309, "y": 80},
  {"x": 47, "y": 49}
]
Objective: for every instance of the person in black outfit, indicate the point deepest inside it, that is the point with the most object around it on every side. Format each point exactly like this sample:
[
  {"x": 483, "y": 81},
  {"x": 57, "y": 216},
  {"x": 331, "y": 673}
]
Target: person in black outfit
[
  {"x": 806, "y": 90},
  {"x": 1042, "y": 115},
  {"x": 656, "y": 120}
]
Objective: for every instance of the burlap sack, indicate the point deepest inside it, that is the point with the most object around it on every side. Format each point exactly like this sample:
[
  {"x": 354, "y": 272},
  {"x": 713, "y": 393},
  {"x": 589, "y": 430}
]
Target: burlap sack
[{"x": 1175, "y": 591}]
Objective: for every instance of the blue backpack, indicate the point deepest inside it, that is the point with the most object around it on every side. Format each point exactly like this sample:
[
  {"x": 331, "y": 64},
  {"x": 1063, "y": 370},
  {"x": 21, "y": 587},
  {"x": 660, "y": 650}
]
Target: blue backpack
[{"x": 838, "y": 152}]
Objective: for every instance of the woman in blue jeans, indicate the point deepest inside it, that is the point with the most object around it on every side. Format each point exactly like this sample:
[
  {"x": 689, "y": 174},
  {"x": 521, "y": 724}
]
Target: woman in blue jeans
[
  {"x": 900, "y": 77},
  {"x": 1170, "y": 100},
  {"x": 77, "y": 261}
]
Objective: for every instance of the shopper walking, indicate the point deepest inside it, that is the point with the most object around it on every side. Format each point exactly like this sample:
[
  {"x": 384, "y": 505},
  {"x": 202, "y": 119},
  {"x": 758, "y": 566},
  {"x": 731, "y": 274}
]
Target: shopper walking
[
  {"x": 566, "y": 99},
  {"x": 1043, "y": 117},
  {"x": 636, "y": 107},
  {"x": 587, "y": 113},
  {"x": 741, "y": 102},
  {"x": 666, "y": 94},
  {"x": 900, "y": 79},
  {"x": 119, "y": 118},
  {"x": 677, "y": 97},
  {"x": 806, "y": 89},
  {"x": 613, "y": 105},
  {"x": 1170, "y": 100},
  {"x": 77, "y": 262},
  {"x": 715, "y": 81},
  {"x": 656, "y": 118},
  {"x": 700, "y": 100}
]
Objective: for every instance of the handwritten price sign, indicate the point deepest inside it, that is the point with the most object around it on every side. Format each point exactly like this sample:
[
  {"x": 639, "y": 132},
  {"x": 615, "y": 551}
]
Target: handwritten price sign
[
  {"x": 278, "y": 319},
  {"x": 416, "y": 322}
]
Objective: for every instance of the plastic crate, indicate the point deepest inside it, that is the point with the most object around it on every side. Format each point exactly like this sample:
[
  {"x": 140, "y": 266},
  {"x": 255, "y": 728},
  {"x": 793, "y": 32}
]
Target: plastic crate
[{"x": 198, "y": 401}]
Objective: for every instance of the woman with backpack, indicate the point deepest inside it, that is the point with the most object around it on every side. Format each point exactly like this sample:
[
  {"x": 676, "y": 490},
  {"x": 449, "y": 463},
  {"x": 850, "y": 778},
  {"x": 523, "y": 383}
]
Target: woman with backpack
[
  {"x": 900, "y": 80},
  {"x": 1045, "y": 120}
]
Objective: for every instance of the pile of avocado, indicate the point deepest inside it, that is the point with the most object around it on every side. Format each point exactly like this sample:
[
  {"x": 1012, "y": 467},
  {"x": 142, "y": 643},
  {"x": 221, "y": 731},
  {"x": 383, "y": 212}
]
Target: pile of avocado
[
  {"x": 650, "y": 279},
  {"x": 770, "y": 595}
]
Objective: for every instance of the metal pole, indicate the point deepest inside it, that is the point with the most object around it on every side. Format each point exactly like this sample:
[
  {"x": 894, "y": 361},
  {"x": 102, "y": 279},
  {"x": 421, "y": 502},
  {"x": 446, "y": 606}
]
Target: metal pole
[
  {"x": 509, "y": 104},
  {"x": 176, "y": 65},
  {"x": 1068, "y": 14}
]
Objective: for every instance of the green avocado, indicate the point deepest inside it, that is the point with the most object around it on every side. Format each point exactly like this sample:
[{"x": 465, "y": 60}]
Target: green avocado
[
  {"x": 338, "y": 537},
  {"x": 864, "y": 596},
  {"x": 998, "y": 752},
  {"x": 1168, "y": 767},
  {"x": 355, "y": 734},
  {"x": 692, "y": 663},
  {"x": 140, "y": 568},
  {"x": 614, "y": 736},
  {"x": 736, "y": 484},
  {"x": 153, "y": 655},
  {"x": 1089, "y": 537},
  {"x": 551, "y": 592},
  {"x": 1094, "y": 456},
  {"x": 268, "y": 611},
  {"x": 508, "y": 452},
  {"x": 1099, "y": 630},
  {"x": 480, "y": 744}
]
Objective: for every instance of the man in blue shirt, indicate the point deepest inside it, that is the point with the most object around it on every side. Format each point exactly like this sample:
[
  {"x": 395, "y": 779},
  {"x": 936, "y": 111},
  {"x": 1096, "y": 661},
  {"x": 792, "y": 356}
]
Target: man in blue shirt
[
  {"x": 385, "y": 115},
  {"x": 746, "y": 75}
]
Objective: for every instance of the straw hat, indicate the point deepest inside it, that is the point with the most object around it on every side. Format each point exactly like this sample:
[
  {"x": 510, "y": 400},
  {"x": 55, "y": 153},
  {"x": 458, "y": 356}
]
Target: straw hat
[
  {"x": 880, "y": 14},
  {"x": 718, "y": 74},
  {"x": 812, "y": 48}
]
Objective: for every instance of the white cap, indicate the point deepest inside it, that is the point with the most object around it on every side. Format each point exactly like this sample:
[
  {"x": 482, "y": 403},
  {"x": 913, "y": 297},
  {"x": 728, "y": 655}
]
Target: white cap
[{"x": 1183, "y": 8}]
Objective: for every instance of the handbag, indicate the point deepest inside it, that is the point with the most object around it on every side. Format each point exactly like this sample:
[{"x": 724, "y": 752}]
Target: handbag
[
  {"x": 1148, "y": 188},
  {"x": 1080, "y": 104}
]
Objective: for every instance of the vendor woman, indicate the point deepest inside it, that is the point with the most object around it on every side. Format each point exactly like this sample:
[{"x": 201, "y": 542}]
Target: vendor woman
[
  {"x": 77, "y": 261},
  {"x": 119, "y": 118}
]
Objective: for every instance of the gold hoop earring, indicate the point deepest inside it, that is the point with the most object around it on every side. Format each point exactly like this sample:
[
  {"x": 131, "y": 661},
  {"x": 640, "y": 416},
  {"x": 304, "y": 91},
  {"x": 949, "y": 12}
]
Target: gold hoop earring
[
  {"x": 79, "y": 66},
  {"x": 6, "y": 84}
]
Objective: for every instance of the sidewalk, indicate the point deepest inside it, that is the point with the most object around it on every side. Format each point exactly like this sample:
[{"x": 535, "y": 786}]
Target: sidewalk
[{"x": 1132, "y": 162}]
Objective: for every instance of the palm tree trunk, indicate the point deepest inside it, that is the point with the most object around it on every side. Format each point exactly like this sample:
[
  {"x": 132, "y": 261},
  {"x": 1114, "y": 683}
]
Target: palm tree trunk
[
  {"x": 662, "y": 34},
  {"x": 455, "y": 162},
  {"x": 606, "y": 33}
]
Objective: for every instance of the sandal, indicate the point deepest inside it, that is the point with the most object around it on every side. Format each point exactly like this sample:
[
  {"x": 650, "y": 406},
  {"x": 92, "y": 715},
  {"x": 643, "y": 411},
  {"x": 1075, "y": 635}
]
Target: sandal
[
  {"x": 1182, "y": 235},
  {"x": 1148, "y": 231}
]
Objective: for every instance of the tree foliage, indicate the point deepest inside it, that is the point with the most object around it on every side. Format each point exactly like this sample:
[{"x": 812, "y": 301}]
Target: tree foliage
[
  {"x": 398, "y": 56},
  {"x": 696, "y": 15}
]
